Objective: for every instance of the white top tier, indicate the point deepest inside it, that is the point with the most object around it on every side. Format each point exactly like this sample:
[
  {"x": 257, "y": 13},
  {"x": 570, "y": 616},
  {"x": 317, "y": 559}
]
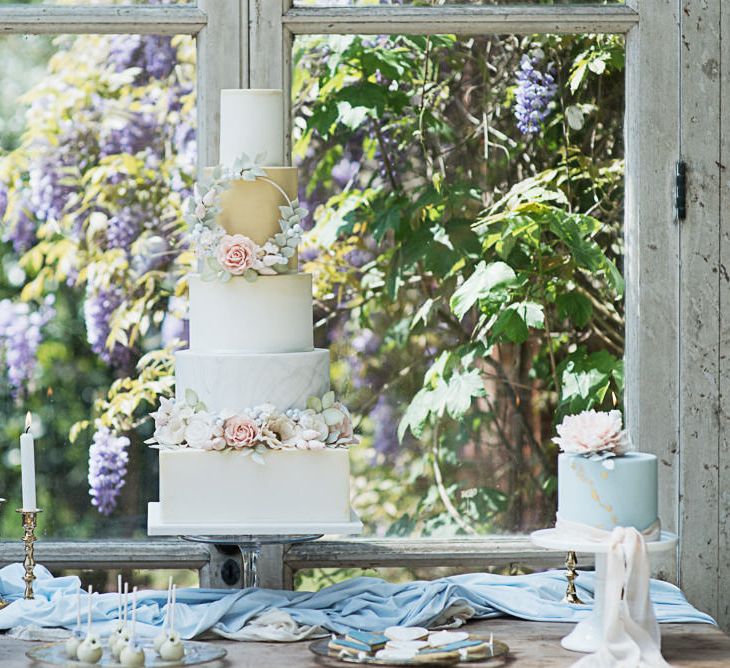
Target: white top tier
[{"x": 252, "y": 122}]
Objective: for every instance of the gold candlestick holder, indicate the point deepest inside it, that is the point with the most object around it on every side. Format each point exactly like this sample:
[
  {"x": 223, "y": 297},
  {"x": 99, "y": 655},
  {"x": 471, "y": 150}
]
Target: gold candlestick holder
[
  {"x": 571, "y": 595},
  {"x": 30, "y": 519},
  {"x": 3, "y": 602}
]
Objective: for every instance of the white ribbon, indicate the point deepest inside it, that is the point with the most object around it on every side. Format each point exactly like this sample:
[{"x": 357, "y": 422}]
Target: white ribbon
[{"x": 631, "y": 636}]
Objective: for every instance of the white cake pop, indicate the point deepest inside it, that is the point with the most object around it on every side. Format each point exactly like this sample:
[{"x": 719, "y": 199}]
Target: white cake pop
[
  {"x": 89, "y": 649},
  {"x": 72, "y": 644},
  {"x": 123, "y": 636},
  {"x": 162, "y": 635},
  {"x": 132, "y": 654},
  {"x": 114, "y": 636},
  {"x": 172, "y": 649}
]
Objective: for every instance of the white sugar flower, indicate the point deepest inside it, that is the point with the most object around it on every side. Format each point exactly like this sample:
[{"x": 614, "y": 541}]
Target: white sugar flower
[
  {"x": 593, "y": 432},
  {"x": 314, "y": 429},
  {"x": 205, "y": 432},
  {"x": 171, "y": 420},
  {"x": 162, "y": 415},
  {"x": 173, "y": 433}
]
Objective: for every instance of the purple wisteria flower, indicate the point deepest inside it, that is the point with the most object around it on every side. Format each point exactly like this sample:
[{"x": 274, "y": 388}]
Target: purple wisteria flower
[
  {"x": 358, "y": 257},
  {"x": 20, "y": 338},
  {"x": 3, "y": 200},
  {"x": 124, "y": 226},
  {"x": 137, "y": 132},
  {"x": 19, "y": 230},
  {"x": 385, "y": 432},
  {"x": 54, "y": 173},
  {"x": 366, "y": 341},
  {"x": 108, "y": 458},
  {"x": 49, "y": 193},
  {"x": 535, "y": 92},
  {"x": 345, "y": 171},
  {"x": 153, "y": 54},
  {"x": 99, "y": 307}
]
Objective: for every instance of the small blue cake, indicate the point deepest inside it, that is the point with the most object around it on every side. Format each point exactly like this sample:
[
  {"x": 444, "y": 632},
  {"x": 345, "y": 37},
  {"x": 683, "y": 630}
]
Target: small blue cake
[{"x": 605, "y": 494}]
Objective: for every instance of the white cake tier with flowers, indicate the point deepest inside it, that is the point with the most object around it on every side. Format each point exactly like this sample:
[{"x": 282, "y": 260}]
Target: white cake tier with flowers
[
  {"x": 602, "y": 483},
  {"x": 253, "y": 436}
]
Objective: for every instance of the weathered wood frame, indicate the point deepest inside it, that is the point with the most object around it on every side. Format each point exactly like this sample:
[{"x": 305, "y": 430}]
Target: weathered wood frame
[{"x": 675, "y": 407}]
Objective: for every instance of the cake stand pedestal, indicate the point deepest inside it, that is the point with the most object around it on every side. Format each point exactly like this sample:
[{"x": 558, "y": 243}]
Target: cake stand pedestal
[
  {"x": 250, "y": 548},
  {"x": 249, "y": 537},
  {"x": 588, "y": 634}
]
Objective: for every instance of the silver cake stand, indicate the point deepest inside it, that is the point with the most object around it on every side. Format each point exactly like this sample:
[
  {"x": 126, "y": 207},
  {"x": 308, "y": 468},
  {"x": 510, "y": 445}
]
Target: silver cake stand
[
  {"x": 588, "y": 633},
  {"x": 249, "y": 537},
  {"x": 250, "y": 548}
]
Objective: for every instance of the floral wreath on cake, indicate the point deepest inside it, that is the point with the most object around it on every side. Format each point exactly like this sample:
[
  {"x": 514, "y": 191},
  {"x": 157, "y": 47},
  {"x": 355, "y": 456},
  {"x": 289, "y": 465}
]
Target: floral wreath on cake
[
  {"x": 187, "y": 423},
  {"x": 596, "y": 435},
  {"x": 225, "y": 255}
]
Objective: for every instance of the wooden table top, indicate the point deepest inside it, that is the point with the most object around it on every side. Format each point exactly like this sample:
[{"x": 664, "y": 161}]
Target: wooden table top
[{"x": 531, "y": 643}]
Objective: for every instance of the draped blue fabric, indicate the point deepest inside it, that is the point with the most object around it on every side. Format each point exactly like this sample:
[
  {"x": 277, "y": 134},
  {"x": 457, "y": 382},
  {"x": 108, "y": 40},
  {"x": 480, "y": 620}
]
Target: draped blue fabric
[{"x": 360, "y": 603}]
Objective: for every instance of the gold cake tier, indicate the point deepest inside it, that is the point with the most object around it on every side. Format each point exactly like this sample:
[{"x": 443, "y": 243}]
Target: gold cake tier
[{"x": 252, "y": 207}]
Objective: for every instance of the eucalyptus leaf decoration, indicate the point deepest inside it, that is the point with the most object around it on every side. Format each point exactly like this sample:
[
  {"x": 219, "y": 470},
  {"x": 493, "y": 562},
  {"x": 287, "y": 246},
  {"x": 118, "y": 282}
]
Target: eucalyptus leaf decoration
[{"x": 204, "y": 207}]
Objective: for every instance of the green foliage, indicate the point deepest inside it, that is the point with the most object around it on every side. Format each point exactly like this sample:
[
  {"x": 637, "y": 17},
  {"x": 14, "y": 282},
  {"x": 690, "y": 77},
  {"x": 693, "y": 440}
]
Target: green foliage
[{"x": 494, "y": 272}]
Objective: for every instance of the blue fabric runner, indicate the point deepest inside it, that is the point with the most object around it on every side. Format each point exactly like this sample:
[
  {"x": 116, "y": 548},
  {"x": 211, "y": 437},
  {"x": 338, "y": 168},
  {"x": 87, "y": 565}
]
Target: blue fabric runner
[{"x": 361, "y": 603}]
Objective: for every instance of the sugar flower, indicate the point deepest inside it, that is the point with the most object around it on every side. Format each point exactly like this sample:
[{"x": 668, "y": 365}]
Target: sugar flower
[
  {"x": 241, "y": 432},
  {"x": 236, "y": 253},
  {"x": 593, "y": 432}
]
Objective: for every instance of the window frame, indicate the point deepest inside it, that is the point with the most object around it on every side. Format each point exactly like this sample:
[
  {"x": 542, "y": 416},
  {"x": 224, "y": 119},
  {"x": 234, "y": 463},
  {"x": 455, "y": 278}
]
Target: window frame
[{"x": 248, "y": 43}]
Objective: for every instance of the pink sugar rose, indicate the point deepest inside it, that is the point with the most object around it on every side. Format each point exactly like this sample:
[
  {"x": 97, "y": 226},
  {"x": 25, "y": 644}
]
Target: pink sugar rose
[
  {"x": 236, "y": 253},
  {"x": 241, "y": 432}
]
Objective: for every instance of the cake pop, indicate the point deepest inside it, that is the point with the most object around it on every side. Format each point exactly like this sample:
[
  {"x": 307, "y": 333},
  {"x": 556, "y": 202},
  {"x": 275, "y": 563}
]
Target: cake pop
[
  {"x": 89, "y": 649},
  {"x": 123, "y": 635},
  {"x": 114, "y": 636},
  {"x": 172, "y": 649},
  {"x": 132, "y": 653},
  {"x": 162, "y": 635},
  {"x": 72, "y": 644}
]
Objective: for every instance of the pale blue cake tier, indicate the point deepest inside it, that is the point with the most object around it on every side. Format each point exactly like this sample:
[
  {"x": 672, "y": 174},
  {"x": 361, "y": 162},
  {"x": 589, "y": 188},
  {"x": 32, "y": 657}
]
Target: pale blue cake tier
[{"x": 592, "y": 494}]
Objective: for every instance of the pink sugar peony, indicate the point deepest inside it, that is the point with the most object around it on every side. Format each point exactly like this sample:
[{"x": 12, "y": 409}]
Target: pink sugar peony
[
  {"x": 592, "y": 432},
  {"x": 241, "y": 432},
  {"x": 236, "y": 253}
]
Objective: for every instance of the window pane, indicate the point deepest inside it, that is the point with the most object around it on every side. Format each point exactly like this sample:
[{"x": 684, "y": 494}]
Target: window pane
[
  {"x": 467, "y": 242},
  {"x": 82, "y": 3},
  {"x": 422, "y": 3},
  {"x": 98, "y": 152}
]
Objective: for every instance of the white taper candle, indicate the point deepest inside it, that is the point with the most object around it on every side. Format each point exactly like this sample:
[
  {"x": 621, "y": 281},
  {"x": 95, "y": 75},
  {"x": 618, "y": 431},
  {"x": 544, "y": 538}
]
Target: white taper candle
[{"x": 27, "y": 465}]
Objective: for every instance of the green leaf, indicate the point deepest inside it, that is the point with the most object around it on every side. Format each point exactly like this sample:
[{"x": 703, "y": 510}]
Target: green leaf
[
  {"x": 510, "y": 326},
  {"x": 461, "y": 388},
  {"x": 532, "y": 313},
  {"x": 416, "y": 414},
  {"x": 191, "y": 397},
  {"x": 332, "y": 416},
  {"x": 364, "y": 94},
  {"x": 351, "y": 117},
  {"x": 586, "y": 378},
  {"x": 423, "y": 313},
  {"x": 328, "y": 399},
  {"x": 479, "y": 285},
  {"x": 576, "y": 307}
]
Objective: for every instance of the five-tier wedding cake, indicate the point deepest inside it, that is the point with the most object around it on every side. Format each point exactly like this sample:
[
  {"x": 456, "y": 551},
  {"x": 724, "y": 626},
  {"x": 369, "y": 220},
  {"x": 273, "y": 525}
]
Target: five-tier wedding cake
[{"x": 254, "y": 440}]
